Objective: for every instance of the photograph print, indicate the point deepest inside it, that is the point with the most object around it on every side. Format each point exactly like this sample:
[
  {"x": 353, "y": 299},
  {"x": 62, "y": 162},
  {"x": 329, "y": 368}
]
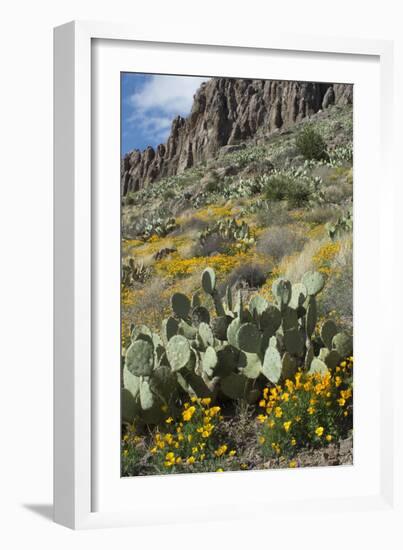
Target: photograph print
[{"x": 236, "y": 274}]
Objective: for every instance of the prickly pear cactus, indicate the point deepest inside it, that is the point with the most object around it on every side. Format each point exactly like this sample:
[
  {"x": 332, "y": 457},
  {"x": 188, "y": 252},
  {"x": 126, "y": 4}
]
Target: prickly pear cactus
[{"x": 231, "y": 352}]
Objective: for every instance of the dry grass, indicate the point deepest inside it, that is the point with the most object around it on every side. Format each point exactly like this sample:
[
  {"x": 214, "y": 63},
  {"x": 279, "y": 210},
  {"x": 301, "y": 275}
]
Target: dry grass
[
  {"x": 278, "y": 242},
  {"x": 295, "y": 267}
]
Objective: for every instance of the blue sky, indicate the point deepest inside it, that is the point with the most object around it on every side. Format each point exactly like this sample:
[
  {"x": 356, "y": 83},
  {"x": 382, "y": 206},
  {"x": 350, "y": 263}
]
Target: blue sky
[{"x": 150, "y": 103}]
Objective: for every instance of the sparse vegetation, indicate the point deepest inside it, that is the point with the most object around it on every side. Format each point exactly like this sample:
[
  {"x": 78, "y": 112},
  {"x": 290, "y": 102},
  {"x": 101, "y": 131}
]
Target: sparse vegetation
[
  {"x": 311, "y": 144},
  {"x": 269, "y": 227}
]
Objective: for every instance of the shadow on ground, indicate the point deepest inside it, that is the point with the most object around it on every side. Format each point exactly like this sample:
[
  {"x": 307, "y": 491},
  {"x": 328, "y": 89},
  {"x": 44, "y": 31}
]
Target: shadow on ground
[{"x": 43, "y": 510}]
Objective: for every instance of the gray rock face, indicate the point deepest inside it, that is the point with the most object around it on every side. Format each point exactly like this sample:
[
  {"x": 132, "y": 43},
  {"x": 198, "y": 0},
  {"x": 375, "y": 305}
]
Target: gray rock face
[{"x": 225, "y": 112}]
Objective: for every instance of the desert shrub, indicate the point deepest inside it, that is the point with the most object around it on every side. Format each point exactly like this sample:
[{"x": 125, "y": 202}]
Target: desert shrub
[
  {"x": 310, "y": 144},
  {"x": 168, "y": 194},
  {"x": 151, "y": 303},
  {"x": 191, "y": 223},
  {"x": 302, "y": 262},
  {"x": 338, "y": 193},
  {"x": 297, "y": 191},
  {"x": 250, "y": 275},
  {"x": 272, "y": 214},
  {"x": 308, "y": 410},
  {"x": 278, "y": 242},
  {"x": 338, "y": 295},
  {"x": 321, "y": 214},
  {"x": 212, "y": 183},
  {"x": 212, "y": 244}
]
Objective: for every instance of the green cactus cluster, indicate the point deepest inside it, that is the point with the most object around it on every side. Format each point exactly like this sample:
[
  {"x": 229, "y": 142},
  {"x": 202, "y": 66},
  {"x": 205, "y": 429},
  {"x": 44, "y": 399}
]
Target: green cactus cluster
[
  {"x": 157, "y": 225},
  {"x": 230, "y": 230},
  {"x": 344, "y": 224},
  {"x": 133, "y": 272},
  {"x": 231, "y": 354}
]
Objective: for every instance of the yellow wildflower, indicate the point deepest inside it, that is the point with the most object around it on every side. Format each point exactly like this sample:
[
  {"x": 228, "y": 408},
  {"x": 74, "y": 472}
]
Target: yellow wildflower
[
  {"x": 287, "y": 425},
  {"x": 319, "y": 431},
  {"x": 278, "y": 413}
]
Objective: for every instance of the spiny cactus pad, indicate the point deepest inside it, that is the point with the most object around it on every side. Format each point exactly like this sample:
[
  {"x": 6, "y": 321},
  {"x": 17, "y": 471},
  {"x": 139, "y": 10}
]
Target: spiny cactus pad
[
  {"x": 290, "y": 318},
  {"x": 250, "y": 365},
  {"x": 146, "y": 396},
  {"x": 129, "y": 406},
  {"x": 199, "y": 315},
  {"x": 131, "y": 382},
  {"x": 209, "y": 361},
  {"x": 332, "y": 359},
  {"x": 180, "y": 305},
  {"x": 318, "y": 366},
  {"x": 289, "y": 365},
  {"x": 343, "y": 344},
  {"x": 327, "y": 332},
  {"x": 272, "y": 364},
  {"x": 178, "y": 352},
  {"x": 234, "y": 386},
  {"x": 169, "y": 328},
  {"x": 140, "y": 358},
  {"x": 219, "y": 326},
  {"x": 208, "y": 280},
  {"x": 314, "y": 282},
  {"x": 298, "y": 295},
  {"x": 270, "y": 319},
  {"x": 311, "y": 316},
  {"x": 248, "y": 338},
  {"x": 206, "y": 334},
  {"x": 141, "y": 332},
  {"x": 257, "y": 306},
  {"x": 281, "y": 289},
  {"x": 293, "y": 341}
]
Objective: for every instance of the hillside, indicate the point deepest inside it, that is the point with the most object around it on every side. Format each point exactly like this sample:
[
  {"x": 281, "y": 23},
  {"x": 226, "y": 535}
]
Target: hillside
[
  {"x": 253, "y": 211},
  {"x": 225, "y": 112}
]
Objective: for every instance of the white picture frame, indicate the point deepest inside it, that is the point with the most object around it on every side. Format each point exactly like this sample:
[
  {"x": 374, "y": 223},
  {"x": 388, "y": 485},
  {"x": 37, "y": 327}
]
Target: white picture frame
[{"x": 81, "y": 309}]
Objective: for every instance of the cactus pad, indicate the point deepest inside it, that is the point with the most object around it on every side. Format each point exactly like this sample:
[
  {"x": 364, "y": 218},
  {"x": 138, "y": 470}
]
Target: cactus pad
[
  {"x": 200, "y": 315},
  {"x": 129, "y": 406},
  {"x": 234, "y": 386},
  {"x": 293, "y": 341},
  {"x": 206, "y": 334},
  {"x": 281, "y": 289},
  {"x": 328, "y": 330},
  {"x": 314, "y": 282},
  {"x": 180, "y": 305},
  {"x": 311, "y": 316},
  {"x": 208, "y": 280},
  {"x": 298, "y": 295},
  {"x": 140, "y": 358},
  {"x": 289, "y": 365},
  {"x": 272, "y": 365},
  {"x": 248, "y": 338},
  {"x": 343, "y": 344},
  {"x": 318, "y": 366},
  {"x": 147, "y": 399},
  {"x": 250, "y": 365},
  {"x": 209, "y": 361},
  {"x": 178, "y": 352}
]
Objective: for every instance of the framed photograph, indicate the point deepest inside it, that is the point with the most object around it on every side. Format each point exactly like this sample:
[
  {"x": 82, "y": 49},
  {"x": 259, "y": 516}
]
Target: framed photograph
[{"x": 220, "y": 232}]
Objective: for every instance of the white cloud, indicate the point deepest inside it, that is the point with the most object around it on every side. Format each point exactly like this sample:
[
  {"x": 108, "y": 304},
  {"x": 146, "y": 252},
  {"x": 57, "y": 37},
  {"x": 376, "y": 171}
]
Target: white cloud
[
  {"x": 169, "y": 94},
  {"x": 159, "y": 101}
]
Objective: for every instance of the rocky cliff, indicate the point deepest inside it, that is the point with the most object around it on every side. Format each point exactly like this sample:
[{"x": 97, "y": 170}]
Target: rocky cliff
[{"x": 225, "y": 112}]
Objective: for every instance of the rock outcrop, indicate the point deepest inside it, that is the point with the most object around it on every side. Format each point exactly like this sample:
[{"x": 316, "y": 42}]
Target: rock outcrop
[{"x": 225, "y": 112}]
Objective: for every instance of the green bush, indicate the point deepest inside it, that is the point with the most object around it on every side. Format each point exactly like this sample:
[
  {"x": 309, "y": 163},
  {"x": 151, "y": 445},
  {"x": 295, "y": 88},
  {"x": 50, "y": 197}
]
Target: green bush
[
  {"x": 311, "y": 145},
  {"x": 296, "y": 191}
]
